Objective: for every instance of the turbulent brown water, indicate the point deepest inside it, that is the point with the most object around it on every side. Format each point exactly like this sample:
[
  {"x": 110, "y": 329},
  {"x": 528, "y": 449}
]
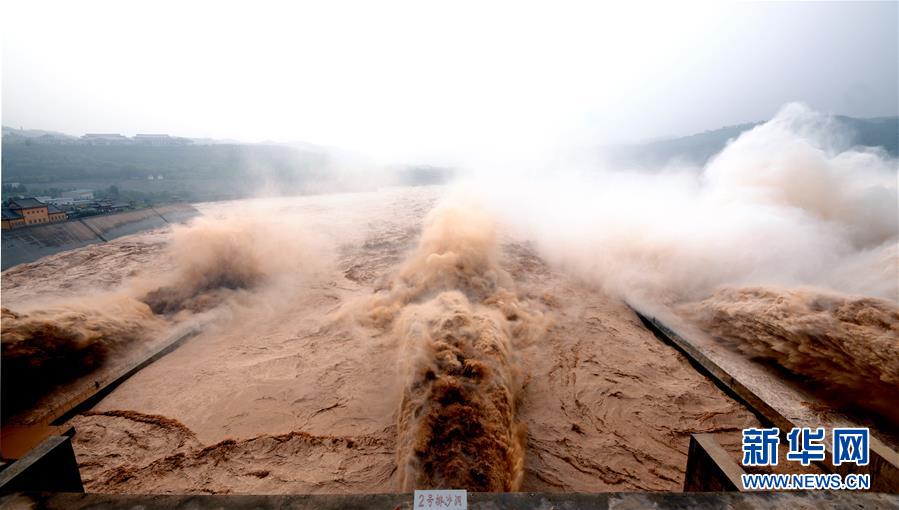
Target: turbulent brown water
[
  {"x": 386, "y": 341},
  {"x": 50, "y": 346},
  {"x": 212, "y": 259},
  {"x": 58, "y": 340},
  {"x": 457, "y": 325},
  {"x": 845, "y": 346},
  {"x": 401, "y": 339}
]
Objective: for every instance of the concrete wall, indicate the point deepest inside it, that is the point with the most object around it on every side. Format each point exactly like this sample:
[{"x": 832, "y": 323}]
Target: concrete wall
[
  {"x": 177, "y": 213},
  {"x": 31, "y": 243}
]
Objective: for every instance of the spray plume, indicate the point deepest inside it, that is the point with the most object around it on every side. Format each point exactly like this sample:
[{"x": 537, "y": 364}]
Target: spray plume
[
  {"x": 788, "y": 204},
  {"x": 213, "y": 262},
  {"x": 848, "y": 346},
  {"x": 457, "y": 324}
]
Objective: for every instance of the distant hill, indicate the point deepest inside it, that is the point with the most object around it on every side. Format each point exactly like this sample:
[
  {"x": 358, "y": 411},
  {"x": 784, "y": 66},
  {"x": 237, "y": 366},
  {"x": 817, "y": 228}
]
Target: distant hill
[
  {"x": 46, "y": 165},
  {"x": 13, "y": 135},
  {"x": 877, "y": 132},
  {"x": 697, "y": 149}
]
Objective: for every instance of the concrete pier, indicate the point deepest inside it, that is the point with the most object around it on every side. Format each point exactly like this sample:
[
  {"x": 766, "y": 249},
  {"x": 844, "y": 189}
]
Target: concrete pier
[{"x": 884, "y": 464}]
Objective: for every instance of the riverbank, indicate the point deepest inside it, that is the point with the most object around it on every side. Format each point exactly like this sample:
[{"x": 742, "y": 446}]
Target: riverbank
[{"x": 28, "y": 244}]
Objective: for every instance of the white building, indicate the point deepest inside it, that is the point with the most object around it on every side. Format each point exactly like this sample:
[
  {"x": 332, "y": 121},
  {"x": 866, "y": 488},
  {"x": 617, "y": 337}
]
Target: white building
[
  {"x": 104, "y": 138},
  {"x": 152, "y": 139},
  {"x": 79, "y": 194}
]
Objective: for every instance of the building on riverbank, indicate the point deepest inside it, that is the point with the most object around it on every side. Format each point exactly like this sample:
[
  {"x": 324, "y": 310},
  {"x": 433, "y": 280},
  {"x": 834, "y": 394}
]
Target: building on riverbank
[{"x": 23, "y": 212}]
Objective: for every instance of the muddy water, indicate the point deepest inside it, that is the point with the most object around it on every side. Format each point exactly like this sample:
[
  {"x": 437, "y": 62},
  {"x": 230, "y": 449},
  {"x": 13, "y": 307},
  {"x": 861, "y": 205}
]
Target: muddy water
[
  {"x": 843, "y": 349},
  {"x": 296, "y": 387}
]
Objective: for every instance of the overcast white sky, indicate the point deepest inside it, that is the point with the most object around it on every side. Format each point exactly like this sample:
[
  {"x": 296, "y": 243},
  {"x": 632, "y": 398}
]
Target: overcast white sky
[{"x": 416, "y": 79}]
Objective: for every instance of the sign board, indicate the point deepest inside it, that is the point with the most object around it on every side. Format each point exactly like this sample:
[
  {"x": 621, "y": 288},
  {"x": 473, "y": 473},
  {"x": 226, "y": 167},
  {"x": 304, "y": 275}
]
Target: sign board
[{"x": 435, "y": 499}]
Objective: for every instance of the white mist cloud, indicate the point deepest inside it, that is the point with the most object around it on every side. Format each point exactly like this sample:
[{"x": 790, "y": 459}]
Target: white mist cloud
[{"x": 782, "y": 204}]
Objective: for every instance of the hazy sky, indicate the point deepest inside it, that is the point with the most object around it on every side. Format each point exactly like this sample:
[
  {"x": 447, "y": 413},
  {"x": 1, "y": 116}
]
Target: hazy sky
[{"x": 407, "y": 79}]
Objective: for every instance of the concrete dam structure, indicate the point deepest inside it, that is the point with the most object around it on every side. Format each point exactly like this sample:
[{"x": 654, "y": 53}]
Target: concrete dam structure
[{"x": 31, "y": 243}]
